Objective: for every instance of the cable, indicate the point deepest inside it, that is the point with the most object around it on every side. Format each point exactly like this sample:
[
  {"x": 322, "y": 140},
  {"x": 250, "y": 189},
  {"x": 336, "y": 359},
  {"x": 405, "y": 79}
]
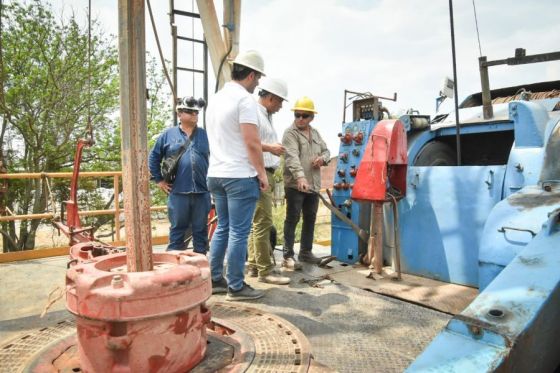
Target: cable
[
  {"x": 192, "y": 43},
  {"x": 456, "y": 89},
  {"x": 160, "y": 52},
  {"x": 89, "y": 127},
  {"x": 230, "y": 28},
  {"x": 221, "y": 65},
  {"x": 477, "y": 34}
]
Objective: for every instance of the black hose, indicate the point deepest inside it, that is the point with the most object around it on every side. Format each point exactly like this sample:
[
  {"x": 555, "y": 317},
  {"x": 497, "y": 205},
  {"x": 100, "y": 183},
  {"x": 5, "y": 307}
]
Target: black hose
[{"x": 221, "y": 66}]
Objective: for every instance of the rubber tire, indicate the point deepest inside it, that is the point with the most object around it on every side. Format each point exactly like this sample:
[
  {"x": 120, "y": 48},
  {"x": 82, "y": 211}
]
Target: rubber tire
[{"x": 436, "y": 153}]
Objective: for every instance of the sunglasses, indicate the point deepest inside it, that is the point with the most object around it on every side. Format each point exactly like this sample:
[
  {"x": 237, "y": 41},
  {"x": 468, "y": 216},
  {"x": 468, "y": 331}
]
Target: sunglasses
[{"x": 299, "y": 115}]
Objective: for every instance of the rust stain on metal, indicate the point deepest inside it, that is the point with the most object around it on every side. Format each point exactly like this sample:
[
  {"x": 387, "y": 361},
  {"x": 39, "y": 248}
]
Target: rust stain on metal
[
  {"x": 534, "y": 198},
  {"x": 476, "y": 331},
  {"x": 477, "y": 327},
  {"x": 181, "y": 325},
  {"x": 134, "y": 136},
  {"x": 156, "y": 362},
  {"x": 530, "y": 261}
]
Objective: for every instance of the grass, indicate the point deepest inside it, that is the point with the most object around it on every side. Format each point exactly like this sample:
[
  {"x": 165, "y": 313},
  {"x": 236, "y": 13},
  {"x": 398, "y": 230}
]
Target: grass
[
  {"x": 322, "y": 225},
  {"x": 47, "y": 236}
]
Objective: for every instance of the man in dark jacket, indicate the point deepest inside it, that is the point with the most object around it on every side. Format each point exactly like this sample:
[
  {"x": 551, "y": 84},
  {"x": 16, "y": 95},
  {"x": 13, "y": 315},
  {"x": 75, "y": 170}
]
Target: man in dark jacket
[{"x": 188, "y": 203}]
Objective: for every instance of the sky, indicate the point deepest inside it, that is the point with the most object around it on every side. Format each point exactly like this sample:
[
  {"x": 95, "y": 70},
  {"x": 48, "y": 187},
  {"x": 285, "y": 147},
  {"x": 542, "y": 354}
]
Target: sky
[{"x": 322, "y": 47}]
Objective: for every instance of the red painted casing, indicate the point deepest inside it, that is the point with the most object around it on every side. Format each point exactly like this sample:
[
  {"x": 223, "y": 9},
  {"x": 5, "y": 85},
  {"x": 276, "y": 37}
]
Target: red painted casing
[
  {"x": 152, "y": 321},
  {"x": 383, "y": 164}
]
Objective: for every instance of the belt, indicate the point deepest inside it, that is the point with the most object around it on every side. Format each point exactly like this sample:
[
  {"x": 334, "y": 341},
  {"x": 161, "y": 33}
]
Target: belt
[{"x": 270, "y": 169}]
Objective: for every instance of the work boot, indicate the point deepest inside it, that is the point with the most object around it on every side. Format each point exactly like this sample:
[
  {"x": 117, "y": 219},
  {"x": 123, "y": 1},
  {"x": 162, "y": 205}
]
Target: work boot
[
  {"x": 274, "y": 278},
  {"x": 251, "y": 270},
  {"x": 308, "y": 257},
  {"x": 291, "y": 264},
  {"x": 220, "y": 286},
  {"x": 245, "y": 293}
]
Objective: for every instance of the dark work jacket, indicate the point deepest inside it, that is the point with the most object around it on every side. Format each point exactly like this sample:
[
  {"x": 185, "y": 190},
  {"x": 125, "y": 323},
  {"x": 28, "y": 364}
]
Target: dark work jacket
[{"x": 193, "y": 166}]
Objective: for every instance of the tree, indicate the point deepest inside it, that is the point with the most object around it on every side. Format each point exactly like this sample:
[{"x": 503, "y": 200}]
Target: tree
[
  {"x": 47, "y": 90},
  {"x": 158, "y": 118},
  {"x": 45, "y": 100}
]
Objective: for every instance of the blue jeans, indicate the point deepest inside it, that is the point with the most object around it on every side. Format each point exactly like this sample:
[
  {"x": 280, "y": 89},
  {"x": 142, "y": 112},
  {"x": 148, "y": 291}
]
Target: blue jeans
[
  {"x": 188, "y": 213},
  {"x": 235, "y": 201}
]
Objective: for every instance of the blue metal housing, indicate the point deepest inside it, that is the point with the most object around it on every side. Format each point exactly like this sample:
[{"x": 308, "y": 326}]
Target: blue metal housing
[
  {"x": 442, "y": 218},
  {"x": 451, "y": 214},
  {"x": 345, "y": 243},
  {"x": 491, "y": 223},
  {"x": 513, "y": 325}
]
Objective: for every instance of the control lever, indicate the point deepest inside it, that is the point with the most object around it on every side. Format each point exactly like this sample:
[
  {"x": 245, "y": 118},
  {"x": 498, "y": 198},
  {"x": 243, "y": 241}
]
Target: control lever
[
  {"x": 359, "y": 138},
  {"x": 362, "y": 234},
  {"x": 346, "y": 139}
]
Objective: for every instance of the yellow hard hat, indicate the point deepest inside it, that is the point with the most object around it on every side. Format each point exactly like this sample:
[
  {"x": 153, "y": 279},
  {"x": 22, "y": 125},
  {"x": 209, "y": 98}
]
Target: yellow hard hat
[{"x": 304, "y": 104}]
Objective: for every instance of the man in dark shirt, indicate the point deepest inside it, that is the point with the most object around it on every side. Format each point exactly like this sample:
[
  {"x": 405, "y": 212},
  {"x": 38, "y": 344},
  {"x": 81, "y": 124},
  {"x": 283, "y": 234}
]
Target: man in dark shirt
[{"x": 188, "y": 203}]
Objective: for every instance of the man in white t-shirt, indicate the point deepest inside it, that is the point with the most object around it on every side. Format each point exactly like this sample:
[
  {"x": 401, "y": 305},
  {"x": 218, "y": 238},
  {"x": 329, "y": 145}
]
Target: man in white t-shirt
[{"x": 236, "y": 174}]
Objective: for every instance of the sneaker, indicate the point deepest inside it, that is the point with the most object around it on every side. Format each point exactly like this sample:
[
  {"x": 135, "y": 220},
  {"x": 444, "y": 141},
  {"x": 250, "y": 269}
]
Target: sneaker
[
  {"x": 308, "y": 257},
  {"x": 220, "y": 286},
  {"x": 291, "y": 264},
  {"x": 245, "y": 293},
  {"x": 274, "y": 278}
]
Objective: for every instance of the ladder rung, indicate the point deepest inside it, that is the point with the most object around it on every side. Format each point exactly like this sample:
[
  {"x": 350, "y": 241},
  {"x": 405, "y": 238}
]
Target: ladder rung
[
  {"x": 191, "y": 39},
  {"x": 186, "y": 14},
  {"x": 190, "y": 70}
]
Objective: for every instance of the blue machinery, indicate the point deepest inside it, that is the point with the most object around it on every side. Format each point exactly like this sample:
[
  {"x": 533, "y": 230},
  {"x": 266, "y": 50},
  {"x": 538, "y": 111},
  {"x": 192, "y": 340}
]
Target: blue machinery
[
  {"x": 492, "y": 223},
  {"x": 346, "y": 245},
  {"x": 367, "y": 111}
]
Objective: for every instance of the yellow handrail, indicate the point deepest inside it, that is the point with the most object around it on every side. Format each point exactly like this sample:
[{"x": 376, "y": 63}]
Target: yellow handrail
[
  {"x": 5, "y": 257},
  {"x": 39, "y": 175},
  {"x": 66, "y": 175}
]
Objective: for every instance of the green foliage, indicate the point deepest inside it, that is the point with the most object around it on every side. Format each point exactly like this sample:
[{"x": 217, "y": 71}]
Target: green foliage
[
  {"x": 50, "y": 89},
  {"x": 322, "y": 226},
  {"x": 159, "y": 116}
]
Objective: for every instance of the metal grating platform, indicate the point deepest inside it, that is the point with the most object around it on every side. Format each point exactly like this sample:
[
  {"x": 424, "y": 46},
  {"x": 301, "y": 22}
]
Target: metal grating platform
[
  {"x": 261, "y": 343},
  {"x": 352, "y": 330},
  {"x": 349, "y": 329},
  {"x": 17, "y": 354},
  {"x": 279, "y": 345}
]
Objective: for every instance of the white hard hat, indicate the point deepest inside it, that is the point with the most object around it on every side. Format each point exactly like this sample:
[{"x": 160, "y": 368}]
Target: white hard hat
[
  {"x": 275, "y": 86},
  {"x": 251, "y": 59},
  {"x": 190, "y": 103}
]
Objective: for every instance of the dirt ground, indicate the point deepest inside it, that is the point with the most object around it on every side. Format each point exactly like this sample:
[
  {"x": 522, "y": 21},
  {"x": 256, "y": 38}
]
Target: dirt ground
[{"x": 48, "y": 237}]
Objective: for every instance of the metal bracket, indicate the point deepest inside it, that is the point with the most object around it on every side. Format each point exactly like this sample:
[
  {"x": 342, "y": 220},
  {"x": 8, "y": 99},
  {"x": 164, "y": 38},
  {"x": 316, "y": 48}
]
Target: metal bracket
[
  {"x": 503, "y": 230},
  {"x": 490, "y": 180}
]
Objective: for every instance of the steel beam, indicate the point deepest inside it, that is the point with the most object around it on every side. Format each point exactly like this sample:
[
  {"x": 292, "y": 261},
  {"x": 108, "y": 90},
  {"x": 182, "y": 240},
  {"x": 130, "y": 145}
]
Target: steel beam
[
  {"x": 174, "y": 58},
  {"x": 520, "y": 58},
  {"x": 216, "y": 46},
  {"x": 132, "y": 69},
  {"x": 487, "y": 109}
]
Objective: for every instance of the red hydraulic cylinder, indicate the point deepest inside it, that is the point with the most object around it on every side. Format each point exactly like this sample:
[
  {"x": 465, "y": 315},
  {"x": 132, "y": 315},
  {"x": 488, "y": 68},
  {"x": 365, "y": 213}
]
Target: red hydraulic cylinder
[
  {"x": 152, "y": 321},
  {"x": 382, "y": 170},
  {"x": 383, "y": 164}
]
